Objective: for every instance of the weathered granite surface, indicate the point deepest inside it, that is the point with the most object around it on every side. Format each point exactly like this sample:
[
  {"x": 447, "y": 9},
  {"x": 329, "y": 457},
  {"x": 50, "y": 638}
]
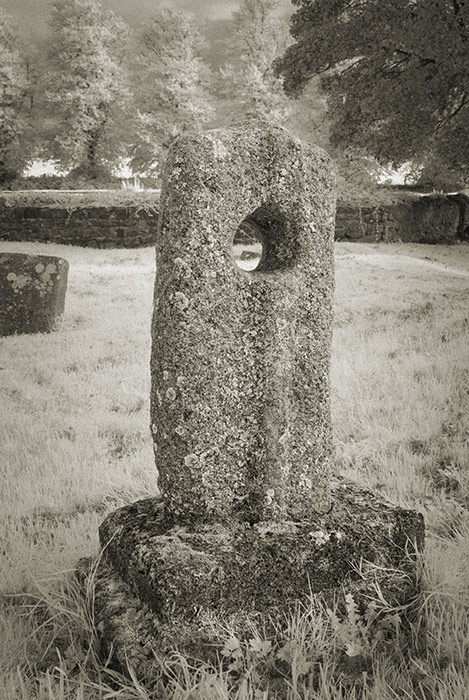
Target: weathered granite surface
[
  {"x": 240, "y": 362},
  {"x": 32, "y": 292}
]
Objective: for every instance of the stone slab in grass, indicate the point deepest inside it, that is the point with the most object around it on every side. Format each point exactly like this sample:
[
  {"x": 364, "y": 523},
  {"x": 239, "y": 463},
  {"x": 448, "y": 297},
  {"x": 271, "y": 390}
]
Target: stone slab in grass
[{"x": 32, "y": 292}]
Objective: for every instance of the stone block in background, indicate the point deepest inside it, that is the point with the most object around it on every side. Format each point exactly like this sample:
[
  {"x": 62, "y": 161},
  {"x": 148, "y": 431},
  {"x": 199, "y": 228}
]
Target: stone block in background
[{"x": 32, "y": 292}]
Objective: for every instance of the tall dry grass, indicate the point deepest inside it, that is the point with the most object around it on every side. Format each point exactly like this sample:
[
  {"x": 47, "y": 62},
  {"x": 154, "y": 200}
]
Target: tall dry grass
[{"x": 75, "y": 445}]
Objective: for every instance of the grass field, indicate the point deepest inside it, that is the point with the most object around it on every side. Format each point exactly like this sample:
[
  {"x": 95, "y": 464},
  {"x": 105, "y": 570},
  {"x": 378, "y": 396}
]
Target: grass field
[{"x": 75, "y": 444}]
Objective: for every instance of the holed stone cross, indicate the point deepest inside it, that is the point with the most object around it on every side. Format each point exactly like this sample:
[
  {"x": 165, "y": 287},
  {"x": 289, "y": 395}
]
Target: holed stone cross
[
  {"x": 240, "y": 412},
  {"x": 252, "y": 517}
]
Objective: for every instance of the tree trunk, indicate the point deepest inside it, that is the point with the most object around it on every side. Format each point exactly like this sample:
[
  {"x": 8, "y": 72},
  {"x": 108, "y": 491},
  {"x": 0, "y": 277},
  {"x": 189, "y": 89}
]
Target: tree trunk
[
  {"x": 92, "y": 168},
  {"x": 91, "y": 157}
]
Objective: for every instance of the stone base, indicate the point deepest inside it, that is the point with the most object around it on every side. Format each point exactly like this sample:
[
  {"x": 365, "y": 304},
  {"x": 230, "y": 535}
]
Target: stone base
[{"x": 161, "y": 586}]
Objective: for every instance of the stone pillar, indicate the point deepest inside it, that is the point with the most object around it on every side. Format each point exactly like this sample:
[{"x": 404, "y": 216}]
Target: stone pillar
[
  {"x": 240, "y": 362},
  {"x": 251, "y": 518},
  {"x": 32, "y": 292}
]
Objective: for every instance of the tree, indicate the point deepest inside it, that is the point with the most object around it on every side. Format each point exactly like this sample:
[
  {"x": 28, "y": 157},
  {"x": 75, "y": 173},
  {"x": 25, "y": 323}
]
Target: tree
[
  {"x": 86, "y": 87},
  {"x": 396, "y": 75},
  {"x": 249, "y": 86},
  {"x": 173, "y": 94},
  {"x": 14, "y": 105}
]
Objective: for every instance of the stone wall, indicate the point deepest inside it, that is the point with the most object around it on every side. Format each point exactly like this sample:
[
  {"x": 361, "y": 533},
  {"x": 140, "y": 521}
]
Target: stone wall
[
  {"x": 417, "y": 219},
  {"x": 462, "y": 200},
  {"x": 95, "y": 227}
]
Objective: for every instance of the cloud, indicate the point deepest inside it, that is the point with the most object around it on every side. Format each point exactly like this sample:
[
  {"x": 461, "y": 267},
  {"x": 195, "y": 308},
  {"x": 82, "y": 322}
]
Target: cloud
[
  {"x": 31, "y": 16},
  {"x": 137, "y": 10},
  {"x": 212, "y": 9}
]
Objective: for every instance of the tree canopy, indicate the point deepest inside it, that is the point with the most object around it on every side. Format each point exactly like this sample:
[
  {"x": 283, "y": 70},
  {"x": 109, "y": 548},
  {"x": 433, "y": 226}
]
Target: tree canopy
[
  {"x": 249, "y": 86},
  {"x": 171, "y": 85},
  {"x": 85, "y": 86},
  {"x": 396, "y": 74},
  {"x": 14, "y": 109}
]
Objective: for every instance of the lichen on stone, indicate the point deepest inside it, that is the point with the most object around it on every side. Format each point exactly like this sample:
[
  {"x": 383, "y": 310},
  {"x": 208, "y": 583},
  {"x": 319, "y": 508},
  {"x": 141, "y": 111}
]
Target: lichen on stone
[
  {"x": 191, "y": 459},
  {"x": 170, "y": 393},
  {"x": 18, "y": 281},
  {"x": 320, "y": 537},
  {"x": 181, "y": 301}
]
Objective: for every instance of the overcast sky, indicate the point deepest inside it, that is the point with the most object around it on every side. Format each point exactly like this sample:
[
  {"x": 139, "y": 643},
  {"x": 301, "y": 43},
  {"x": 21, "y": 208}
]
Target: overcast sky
[{"x": 31, "y": 15}]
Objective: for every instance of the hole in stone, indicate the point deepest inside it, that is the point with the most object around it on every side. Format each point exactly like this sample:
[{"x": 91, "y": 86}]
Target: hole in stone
[
  {"x": 248, "y": 245},
  {"x": 266, "y": 240}
]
